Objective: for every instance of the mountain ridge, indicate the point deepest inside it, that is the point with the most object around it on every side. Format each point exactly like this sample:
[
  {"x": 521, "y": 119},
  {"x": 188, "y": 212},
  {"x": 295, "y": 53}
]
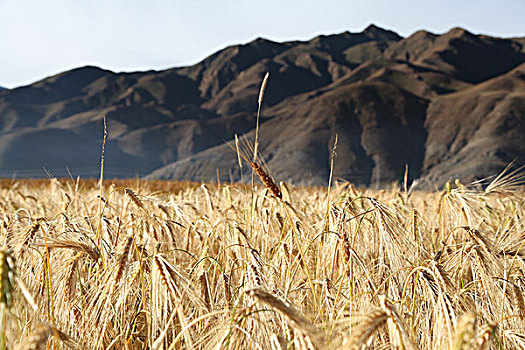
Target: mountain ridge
[{"x": 388, "y": 98}]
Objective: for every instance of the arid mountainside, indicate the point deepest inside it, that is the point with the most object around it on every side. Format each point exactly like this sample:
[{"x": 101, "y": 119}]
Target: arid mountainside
[{"x": 448, "y": 106}]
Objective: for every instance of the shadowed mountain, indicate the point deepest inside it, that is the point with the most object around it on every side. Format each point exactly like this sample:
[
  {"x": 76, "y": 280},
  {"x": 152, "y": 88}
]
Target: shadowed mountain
[
  {"x": 459, "y": 53},
  {"x": 476, "y": 131},
  {"x": 371, "y": 121},
  {"x": 427, "y": 101}
]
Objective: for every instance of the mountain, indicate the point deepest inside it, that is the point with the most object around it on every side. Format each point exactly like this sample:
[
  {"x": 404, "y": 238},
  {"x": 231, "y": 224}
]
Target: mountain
[
  {"x": 448, "y": 106},
  {"x": 476, "y": 130}
]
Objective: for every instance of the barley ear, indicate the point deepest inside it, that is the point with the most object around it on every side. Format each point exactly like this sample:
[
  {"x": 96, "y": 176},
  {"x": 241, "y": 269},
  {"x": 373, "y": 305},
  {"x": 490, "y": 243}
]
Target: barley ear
[
  {"x": 261, "y": 94},
  {"x": 263, "y": 88},
  {"x": 362, "y": 335},
  {"x": 285, "y": 309},
  {"x": 267, "y": 180}
]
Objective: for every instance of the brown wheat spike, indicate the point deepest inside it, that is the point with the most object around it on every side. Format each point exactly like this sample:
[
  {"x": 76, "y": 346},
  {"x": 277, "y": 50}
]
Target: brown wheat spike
[
  {"x": 243, "y": 234},
  {"x": 297, "y": 254},
  {"x": 134, "y": 198},
  {"x": 254, "y": 276},
  {"x": 165, "y": 276},
  {"x": 205, "y": 289},
  {"x": 170, "y": 226},
  {"x": 280, "y": 220},
  {"x": 328, "y": 285},
  {"x": 70, "y": 281},
  {"x": 414, "y": 224},
  {"x": 345, "y": 247},
  {"x": 480, "y": 239},
  {"x": 243, "y": 152},
  {"x": 286, "y": 250},
  {"x": 256, "y": 258},
  {"x": 106, "y": 226},
  {"x": 152, "y": 231},
  {"x": 227, "y": 291},
  {"x": 267, "y": 180},
  {"x": 164, "y": 209},
  {"x": 361, "y": 336},
  {"x": 29, "y": 235},
  {"x": 123, "y": 259}
]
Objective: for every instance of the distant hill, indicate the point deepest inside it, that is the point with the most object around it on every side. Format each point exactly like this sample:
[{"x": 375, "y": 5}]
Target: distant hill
[{"x": 450, "y": 105}]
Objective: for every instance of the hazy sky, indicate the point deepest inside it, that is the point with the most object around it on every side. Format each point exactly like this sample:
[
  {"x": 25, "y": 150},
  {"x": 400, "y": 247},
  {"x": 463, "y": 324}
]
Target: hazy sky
[{"x": 39, "y": 38}]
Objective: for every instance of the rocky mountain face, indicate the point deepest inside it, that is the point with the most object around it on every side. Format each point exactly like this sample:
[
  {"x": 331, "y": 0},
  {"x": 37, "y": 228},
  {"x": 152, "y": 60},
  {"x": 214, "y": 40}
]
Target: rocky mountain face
[{"x": 448, "y": 106}]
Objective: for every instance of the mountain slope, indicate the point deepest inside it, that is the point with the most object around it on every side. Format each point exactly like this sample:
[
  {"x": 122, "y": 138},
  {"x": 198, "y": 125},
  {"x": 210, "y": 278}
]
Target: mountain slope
[
  {"x": 297, "y": 142},
  {"x": 476, "y": 131},
  {"x": 459, "y": 53},
  {"x": 445, "y": 105}
]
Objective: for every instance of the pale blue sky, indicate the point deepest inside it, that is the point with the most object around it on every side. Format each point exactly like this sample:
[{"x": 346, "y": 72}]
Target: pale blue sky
[{"x": 39, "y": 38}]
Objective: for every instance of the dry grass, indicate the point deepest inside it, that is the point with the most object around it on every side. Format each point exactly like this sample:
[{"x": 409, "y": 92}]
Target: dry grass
[{"x": 165, "y": 265}]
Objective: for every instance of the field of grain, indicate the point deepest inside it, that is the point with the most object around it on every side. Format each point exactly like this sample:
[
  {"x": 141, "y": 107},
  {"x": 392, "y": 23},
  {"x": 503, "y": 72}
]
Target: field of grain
[{"x": 166, "y": 265}]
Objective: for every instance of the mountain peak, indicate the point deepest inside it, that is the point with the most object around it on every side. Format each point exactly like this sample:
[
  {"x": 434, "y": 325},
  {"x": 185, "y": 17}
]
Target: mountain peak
[
  {"x": 89, "y": 69},
  {"x": 260, "y": 41},
  {"x": 78, "y": 72},
  {"x": 373, "y": 28},
  {"x": 457, "y": 32},
  {"x": 380, "y": 33}
]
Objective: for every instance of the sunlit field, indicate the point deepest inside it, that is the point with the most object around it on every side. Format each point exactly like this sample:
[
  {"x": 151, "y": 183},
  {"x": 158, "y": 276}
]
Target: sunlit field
[{"x": 165, "y": 265}]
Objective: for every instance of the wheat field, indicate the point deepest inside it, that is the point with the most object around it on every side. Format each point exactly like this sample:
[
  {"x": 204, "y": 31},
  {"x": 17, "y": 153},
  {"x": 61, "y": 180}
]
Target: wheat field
[{"x": 166, "y": 265}]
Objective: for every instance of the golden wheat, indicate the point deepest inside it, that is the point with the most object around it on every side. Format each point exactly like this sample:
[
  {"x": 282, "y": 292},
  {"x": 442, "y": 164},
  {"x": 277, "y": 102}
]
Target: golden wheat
[{"x": 216, "y": 267}]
